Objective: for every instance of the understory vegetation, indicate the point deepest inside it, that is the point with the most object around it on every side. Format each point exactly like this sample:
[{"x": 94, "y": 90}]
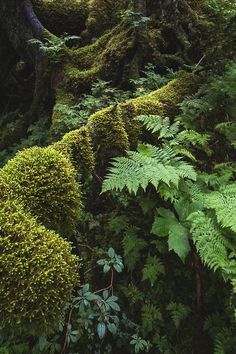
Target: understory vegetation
[{"x": 118, "y": 201}]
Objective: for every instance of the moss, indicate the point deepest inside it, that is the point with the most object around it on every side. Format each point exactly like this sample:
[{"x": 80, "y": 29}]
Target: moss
[
  {"x": 44, "y": 182},
  {"x": 103, "y": 14},
  {"x": 37, "y": 270},
  {"x": 104, "y": 59},
  {"x": 107, "y": 133},
  {"x": 60, "y": 16},
  {"x": 78, "y": 147},
  {"x": 162, "y": 102}
]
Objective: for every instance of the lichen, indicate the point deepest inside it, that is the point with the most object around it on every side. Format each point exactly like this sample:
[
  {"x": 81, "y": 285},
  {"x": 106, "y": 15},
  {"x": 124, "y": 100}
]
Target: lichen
[{"x": 44, "y": 182}]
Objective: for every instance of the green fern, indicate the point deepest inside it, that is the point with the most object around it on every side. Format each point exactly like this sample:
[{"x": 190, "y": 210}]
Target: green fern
[
  {"x": 155, "y": 123},
  {"x": 148, "y": 165},
  {"x": 224, "y": 204},
  {"x": 132, "y": 246},
  {"x": 152, "y": 269},
  {"x": 229, "y": 130},
  {"x": 151, "y": 317},
  {"x": 209, "y": 241},
  {"x": 178, "y": 313}
]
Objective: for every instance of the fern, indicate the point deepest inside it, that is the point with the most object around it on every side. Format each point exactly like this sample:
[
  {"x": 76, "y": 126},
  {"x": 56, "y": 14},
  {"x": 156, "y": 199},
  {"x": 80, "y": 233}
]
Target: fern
[
  {"x": 209, "y": 241},
  {"x": 152, "y": 269},
  {"x": 229, "y": 130},
  {"x": 224, "y": 204},
  {"x": 151, "y": 317},
  {"x": 149, "y": 165},
  {"x": 156, "y": 123},
  {"x": 132, "y": 246},
  {"x": 178, "y": 312}
]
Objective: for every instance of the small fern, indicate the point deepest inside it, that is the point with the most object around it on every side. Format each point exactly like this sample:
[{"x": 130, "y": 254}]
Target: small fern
[
  {"x": 152, "y": 269},
  {"x": 178, "y": 312}
]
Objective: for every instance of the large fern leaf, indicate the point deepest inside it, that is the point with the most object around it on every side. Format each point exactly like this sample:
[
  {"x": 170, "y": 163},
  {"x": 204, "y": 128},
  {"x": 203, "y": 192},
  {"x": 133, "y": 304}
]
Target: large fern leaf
[
  {"x": 209, "y": 241},
  {"x": 148, "y": 165}
]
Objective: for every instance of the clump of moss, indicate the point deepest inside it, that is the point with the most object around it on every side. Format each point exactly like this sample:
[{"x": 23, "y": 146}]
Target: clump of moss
[
  {"x": 44, "y": 182},
  {"x": 60, "y": 16},
  {"x": 78, "y": 147},
  {"x": 37, "y": 270}
]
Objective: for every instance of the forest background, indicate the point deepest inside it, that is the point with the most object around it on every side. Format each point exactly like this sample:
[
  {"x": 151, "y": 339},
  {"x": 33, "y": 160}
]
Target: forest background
[{"x": 117, "y": 178}]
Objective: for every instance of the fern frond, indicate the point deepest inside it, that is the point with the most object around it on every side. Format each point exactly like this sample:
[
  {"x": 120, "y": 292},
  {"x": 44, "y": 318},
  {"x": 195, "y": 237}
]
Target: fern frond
[
  {"x": 178, "y": 312},
  {"x": 224, "y": 204},
  {"x": 209, "y": 241},
  {"x": 149, "y": 165},
  {"x": 152, "y": 269},
  {"x": 155, "y": 123}
]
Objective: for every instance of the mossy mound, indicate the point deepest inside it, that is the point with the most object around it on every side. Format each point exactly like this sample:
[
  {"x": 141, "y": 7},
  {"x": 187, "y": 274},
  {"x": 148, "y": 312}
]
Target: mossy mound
[
  {"x": 37, "y": 270},
  {"x": 60, "y": 16},
  {"x": 44, "y": 182}
]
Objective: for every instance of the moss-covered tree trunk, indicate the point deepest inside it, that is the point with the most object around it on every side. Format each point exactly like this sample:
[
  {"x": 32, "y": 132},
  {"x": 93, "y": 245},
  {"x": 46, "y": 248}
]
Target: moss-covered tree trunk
[{"x": 117, "y": 54}]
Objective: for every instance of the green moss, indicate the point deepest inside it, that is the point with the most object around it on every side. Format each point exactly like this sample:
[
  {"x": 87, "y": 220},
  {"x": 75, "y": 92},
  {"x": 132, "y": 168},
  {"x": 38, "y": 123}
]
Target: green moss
[
  {"x": 37, "y": 270},
  {"x": 107, "y": 133},
  {"x": 77, "y": 146},
  {"x": 60, "y": 16},
  {"x": 104, "y": 59},
  {"x": 162, "y": 102},
  {"x": 44, "y": 182},
  {"x": 103, "y": 14}
]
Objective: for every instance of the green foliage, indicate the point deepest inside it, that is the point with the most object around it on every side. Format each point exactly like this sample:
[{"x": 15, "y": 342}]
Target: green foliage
[
  {"x": 134, "y": 19},
  {"x": 148, "y": 165},
  {"x": 54, "y": 47},
  {"x": 150, "y": 80}
]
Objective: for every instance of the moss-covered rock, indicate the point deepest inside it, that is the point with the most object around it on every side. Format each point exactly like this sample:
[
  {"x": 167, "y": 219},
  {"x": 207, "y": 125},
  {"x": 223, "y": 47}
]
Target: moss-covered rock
[
  {"x": 77, "y": 146},
  {"x": 44, "y": 182},
  {"x": 37, "y": 270}
]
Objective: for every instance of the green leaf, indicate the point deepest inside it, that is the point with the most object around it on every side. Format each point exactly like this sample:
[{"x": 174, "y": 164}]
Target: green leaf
[
  {"x": 178, "y": 240},
  {"x": 111, "y": 252}
]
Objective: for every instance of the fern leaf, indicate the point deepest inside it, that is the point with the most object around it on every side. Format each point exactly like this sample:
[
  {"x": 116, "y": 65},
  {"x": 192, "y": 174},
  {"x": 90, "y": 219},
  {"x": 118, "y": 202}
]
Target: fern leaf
[
  {"x": 178, "y": 312},
  {"x": 224, "y": 204},
  {"x": 209, "y": 241}
]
